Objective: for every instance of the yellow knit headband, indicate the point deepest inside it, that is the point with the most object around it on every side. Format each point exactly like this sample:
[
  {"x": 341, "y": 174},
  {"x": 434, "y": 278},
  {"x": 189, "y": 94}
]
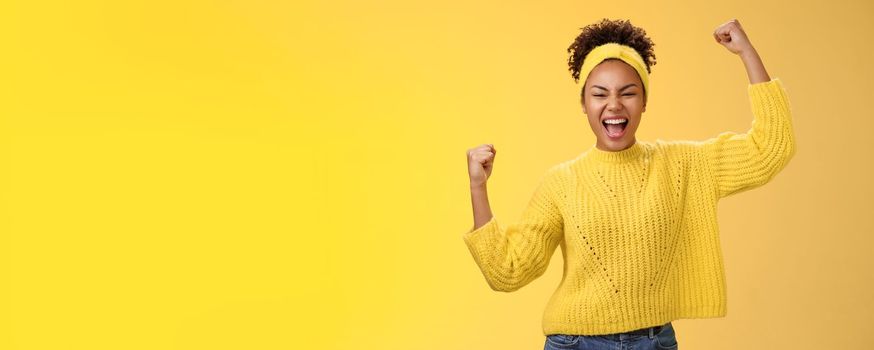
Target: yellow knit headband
[{"x": 613, "y": 50}]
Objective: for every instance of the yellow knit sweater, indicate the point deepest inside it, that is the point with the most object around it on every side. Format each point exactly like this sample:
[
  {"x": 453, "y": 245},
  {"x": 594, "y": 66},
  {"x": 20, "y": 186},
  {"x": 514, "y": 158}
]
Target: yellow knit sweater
[{"x": 637, "y": 228}]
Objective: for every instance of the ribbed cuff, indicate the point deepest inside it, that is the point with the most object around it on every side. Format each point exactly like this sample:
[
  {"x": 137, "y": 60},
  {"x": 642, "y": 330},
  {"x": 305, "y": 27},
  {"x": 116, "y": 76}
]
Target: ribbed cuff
[
  {"x": 474, "y": 233},
  {"x": 770, "y": 92}
]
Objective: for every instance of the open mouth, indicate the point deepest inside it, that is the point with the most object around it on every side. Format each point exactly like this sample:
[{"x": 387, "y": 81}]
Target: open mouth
[{"x": 615, "y": 128}]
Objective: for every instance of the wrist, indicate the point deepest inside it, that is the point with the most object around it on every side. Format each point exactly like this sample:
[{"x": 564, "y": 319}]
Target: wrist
[{"x": 749, "y": 54}]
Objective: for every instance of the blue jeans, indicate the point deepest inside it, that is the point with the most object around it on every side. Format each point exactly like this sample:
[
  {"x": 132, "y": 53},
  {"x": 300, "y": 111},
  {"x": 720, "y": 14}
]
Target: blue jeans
[{"x": 653, "y": 338}]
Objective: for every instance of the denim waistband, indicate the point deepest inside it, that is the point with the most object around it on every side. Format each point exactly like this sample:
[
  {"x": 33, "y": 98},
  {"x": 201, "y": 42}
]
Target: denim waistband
[{"x": 648, "y": 331}]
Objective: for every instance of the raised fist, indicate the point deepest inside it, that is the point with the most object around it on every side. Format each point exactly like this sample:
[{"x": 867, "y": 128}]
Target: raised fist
[
  {"x": 480, "y": 161},
  {"x": 731, "y": 35}
]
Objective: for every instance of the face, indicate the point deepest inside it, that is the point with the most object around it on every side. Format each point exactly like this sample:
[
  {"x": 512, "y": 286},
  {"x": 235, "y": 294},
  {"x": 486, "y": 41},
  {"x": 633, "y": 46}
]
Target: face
[{"x": 613, "y": 90}]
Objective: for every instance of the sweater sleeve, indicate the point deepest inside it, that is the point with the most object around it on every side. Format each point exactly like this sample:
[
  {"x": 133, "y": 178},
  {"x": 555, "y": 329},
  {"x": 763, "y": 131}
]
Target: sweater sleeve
[
  {"x": 513, "y": 257},
  {"x": 740, "y": 162}
]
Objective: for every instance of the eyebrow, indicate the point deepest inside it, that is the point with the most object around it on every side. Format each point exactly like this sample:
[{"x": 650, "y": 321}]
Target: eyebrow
[{"x": 623, "y": 88}]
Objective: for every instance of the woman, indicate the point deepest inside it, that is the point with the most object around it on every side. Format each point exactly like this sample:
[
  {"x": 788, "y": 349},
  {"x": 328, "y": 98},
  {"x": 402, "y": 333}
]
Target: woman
[{"x": 636, "y": 221}]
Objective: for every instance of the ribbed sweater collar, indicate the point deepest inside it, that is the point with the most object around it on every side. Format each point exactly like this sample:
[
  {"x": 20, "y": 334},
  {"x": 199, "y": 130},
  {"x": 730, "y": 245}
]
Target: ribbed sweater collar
[{"x": 630, "y": 154}]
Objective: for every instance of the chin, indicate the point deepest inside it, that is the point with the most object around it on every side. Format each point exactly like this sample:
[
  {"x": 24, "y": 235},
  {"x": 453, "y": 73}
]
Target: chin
[{"x": 618, "y": 145}]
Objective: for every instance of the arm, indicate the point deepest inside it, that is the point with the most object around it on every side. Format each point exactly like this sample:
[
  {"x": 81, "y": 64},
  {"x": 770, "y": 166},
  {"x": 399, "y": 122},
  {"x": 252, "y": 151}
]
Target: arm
[
  {"x": 754, "y": 66},
  {"x": 744, "y": 161},
  {"x": 513, "y": 257},
  {"x": 482, "y": 211},
  {"x": 480, "y": 162}
]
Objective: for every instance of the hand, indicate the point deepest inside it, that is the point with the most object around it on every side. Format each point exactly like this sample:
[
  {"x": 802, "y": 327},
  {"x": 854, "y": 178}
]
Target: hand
[
  {"x": 731, "y": 35},
  {"x": 480, "y": 161}
]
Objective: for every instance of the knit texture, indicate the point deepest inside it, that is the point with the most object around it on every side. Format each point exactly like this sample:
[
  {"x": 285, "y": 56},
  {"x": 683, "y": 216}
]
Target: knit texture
[{"x": 638, "y": 227}]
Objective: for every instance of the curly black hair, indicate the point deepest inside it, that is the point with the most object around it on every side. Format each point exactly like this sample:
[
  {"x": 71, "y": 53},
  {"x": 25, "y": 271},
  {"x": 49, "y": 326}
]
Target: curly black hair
[{"x": 609, "y": 31}]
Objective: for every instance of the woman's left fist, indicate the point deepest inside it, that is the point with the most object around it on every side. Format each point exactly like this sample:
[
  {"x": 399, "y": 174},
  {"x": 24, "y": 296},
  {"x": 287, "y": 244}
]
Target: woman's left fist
[{"x": 731, "y": 35}]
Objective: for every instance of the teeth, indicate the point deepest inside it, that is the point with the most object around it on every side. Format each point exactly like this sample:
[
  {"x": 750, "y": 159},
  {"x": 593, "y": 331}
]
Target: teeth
[{"x": 615, "y": 121}]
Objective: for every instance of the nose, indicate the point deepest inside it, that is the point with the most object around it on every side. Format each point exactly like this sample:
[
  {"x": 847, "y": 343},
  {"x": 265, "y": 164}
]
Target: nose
[{"x": 613, "y": 104}]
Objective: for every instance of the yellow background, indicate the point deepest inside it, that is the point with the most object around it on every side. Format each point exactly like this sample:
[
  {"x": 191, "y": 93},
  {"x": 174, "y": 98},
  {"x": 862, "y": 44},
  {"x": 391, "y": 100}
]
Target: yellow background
[{"x": 292, "y": 175}]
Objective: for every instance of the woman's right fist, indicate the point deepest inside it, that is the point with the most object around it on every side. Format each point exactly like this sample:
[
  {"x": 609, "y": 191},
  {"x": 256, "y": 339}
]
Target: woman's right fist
[{"x": 480, "y": 161}]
